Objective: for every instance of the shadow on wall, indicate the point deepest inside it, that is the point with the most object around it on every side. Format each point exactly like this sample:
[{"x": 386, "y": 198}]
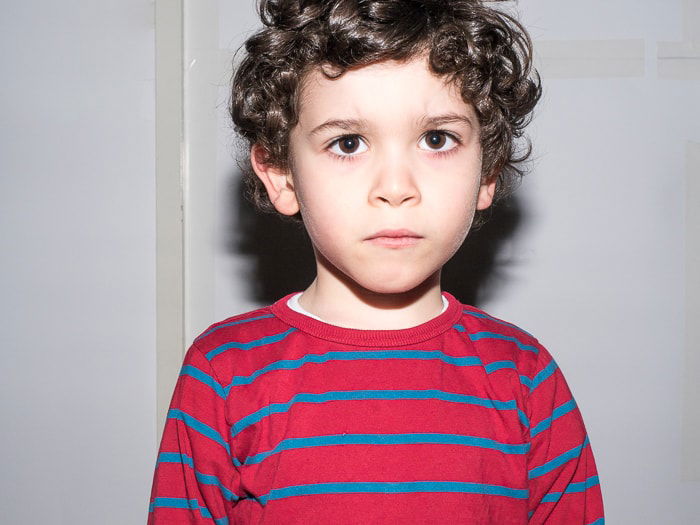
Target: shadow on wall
[{"x": 283, "y": 259}]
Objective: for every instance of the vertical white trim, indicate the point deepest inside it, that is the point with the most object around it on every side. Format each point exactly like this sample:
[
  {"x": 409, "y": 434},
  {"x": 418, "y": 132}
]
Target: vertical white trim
[
  {"x": 691, "y": 371},
  {"x": 202, "y": 79},
  {"x": 170, "y": 345}
]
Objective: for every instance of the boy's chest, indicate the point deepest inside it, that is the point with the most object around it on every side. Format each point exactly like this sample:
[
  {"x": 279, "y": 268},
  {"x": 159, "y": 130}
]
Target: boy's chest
[{"x": 390, "y": 423}]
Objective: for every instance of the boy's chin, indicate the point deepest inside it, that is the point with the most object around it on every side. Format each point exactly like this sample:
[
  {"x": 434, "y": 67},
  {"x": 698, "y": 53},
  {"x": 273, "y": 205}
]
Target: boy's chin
[
  {"x": 391, "y": 286},
  {"x": 380, "y": 280}
]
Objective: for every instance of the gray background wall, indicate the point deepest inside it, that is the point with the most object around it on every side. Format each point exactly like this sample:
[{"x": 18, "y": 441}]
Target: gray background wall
[
  {"x": 77, "y": 261},
  {"x": 602, "y": 267}
]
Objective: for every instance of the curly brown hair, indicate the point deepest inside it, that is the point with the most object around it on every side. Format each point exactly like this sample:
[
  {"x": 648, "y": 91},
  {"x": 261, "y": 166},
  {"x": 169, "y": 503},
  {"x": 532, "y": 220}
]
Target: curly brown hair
[{"x": 485, "y": 52}]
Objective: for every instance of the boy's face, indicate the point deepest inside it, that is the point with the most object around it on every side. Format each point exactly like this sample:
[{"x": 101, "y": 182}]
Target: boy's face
[{"x": 386, "y": 170}]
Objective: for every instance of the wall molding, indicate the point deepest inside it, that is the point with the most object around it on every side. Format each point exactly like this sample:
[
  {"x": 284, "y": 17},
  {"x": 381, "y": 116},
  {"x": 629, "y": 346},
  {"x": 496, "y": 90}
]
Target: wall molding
[
  {"x": 590, "y": 58},
  {"x": 681, "y": 60},
  {"x": 170, "y": 342},
  {"x": 690, "y": 460}
]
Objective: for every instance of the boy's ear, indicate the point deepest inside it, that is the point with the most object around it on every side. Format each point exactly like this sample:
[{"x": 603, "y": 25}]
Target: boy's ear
[
  {"x": 277, "y": 182},
  {"x": 486, "y": 193}
]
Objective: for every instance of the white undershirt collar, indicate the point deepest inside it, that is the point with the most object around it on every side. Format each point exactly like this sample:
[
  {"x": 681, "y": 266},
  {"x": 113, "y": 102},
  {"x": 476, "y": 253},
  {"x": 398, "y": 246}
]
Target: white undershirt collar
[{"x": 293, "y": 303}]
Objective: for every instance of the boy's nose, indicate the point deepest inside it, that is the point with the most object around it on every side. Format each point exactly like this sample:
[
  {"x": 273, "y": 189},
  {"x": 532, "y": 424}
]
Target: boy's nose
[{"x": 394, "y": 185}]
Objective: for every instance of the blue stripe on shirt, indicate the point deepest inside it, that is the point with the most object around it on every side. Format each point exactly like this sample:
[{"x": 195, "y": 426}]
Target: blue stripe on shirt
[
  {"x": 293, "y": 364},
  {"x": 599, "y": 521},
  {"x": 558, "y": 461},
  {"x": 572, "y": 488},
  {"x": 388, "y": 439},
  {"x": 500, "y": 365},
  {"x": 342, "y": 356},
  {"x": 558, "y": 412},
  {"x": 196, "y": 373},
  {"x": 482, "y": 315},
  {"x": 274, "y": 338},
  {"x": 543, "y": 374},
  {"x": 232, "y": 323},
  {"x": 205, "y": 479},
  {"x": 408, "y": 487},
  {"x": 523, "y": 419},
  {"x": 184, "y": 503},
  {"x": 363, "y": 395},
  {"x": 477, "y": 336},
  {"x": 175, "y": 457},
  {"x": 199, "y": 427}
]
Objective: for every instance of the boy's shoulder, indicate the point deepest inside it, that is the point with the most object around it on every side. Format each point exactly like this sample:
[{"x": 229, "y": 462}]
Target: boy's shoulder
[
  {"x": 475, "y": 320},
  {"x": 502, "y": 341},
  {"x": 243, "y": 331}
]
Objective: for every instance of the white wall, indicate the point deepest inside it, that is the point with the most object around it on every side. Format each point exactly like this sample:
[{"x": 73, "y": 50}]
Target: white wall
[
  {"x": 596, "y": 266},
  {"x": 77, "y": 260},
  {"x": 598, "y": 269}
]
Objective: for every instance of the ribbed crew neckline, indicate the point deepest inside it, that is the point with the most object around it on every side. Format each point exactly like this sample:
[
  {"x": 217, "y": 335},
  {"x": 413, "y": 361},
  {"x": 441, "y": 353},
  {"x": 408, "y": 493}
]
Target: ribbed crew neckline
[{"x": 353, "y": 336}]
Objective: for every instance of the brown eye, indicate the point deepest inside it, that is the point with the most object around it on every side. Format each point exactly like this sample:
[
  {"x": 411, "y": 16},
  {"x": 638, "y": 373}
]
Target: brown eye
[
  {"x": 348, "y": 146},
  {"x": 437, "y": 140}
]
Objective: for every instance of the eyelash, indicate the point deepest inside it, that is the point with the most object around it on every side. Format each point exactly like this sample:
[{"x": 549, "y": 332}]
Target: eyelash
[
  {"x": 337, "y": 141},
  {"x": 351, "y": 157},
  {"x": 447, "y": 134}
]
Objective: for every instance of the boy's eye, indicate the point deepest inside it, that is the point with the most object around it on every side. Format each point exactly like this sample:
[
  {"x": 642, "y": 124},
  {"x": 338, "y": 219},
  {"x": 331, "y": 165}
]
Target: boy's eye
[
  {"x": 348, "y": 145},
  {"x": 437, "y": 141}
]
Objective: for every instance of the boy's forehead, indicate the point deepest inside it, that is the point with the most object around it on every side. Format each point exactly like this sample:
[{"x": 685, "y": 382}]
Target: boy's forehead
[{"x": 407, "y": 90}]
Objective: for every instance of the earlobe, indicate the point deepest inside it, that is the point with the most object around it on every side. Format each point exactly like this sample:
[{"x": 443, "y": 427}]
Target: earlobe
[
  {"x": 486, "y": 193},
  {"x": 278, "y": 182}
]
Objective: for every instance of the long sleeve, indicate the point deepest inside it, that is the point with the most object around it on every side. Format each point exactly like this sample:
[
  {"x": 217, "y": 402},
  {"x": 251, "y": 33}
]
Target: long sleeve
[
  {"x": 195, "y": 476},
  {"x": 564, "y": 486}
]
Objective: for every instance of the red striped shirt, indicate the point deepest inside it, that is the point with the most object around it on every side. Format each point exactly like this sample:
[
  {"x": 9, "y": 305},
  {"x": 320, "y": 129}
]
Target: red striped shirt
[{"x": 280, "y": 418}]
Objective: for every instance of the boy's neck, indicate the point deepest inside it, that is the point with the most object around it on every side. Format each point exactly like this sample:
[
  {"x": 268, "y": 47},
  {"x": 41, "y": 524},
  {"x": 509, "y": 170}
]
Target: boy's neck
[{"x": 346, "y": 304}]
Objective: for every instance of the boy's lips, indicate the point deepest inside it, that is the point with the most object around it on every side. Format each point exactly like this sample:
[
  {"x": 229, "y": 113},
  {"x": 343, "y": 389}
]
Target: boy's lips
[{"x": 394, "y": 238}]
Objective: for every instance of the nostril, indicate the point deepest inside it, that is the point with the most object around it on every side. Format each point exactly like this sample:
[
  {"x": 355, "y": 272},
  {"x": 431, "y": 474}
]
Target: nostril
[{"x": 394, "y": 187}]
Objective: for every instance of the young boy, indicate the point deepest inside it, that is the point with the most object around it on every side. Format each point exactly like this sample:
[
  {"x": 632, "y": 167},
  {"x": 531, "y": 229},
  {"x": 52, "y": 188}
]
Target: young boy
[{"x": 373, "y": 397}]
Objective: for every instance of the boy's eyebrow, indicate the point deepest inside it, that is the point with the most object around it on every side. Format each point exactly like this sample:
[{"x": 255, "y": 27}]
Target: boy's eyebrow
[
  {"x": 361, "y": 124},
  {"x": 448, "y": 118},
  {"x": 346, "y": 124}
]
